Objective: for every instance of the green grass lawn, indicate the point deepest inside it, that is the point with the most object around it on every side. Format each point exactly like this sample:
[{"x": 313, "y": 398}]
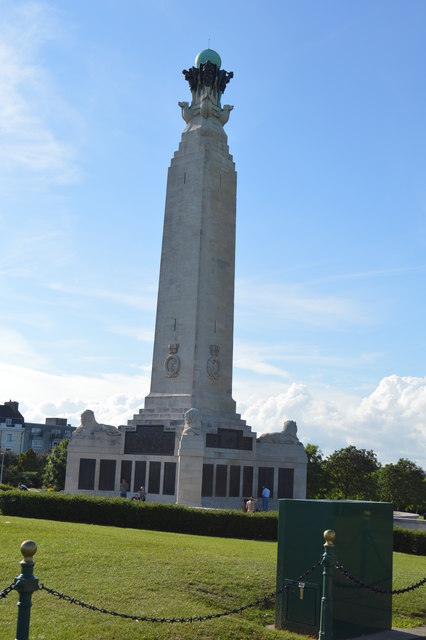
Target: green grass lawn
[{"x": 156, "y": 574}]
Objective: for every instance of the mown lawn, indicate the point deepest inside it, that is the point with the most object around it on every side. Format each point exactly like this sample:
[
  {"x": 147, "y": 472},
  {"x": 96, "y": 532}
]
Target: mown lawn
[{"x": 156, "y": 574}]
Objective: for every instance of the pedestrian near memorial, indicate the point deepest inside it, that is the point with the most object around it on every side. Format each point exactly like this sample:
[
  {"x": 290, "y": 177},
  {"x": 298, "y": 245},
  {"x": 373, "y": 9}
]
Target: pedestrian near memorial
[
  {"x": 250, "y": 505},
  {"x": 265, "y": 498},
  {"x": 124, "y": 487}
]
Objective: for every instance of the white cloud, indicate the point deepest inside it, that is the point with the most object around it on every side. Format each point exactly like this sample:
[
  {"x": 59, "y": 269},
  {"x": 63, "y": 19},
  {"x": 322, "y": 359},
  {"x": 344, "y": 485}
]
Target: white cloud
[
  {"x": 114, "y": 398},
  {"x": 27, "y": 99},
  {"x": 391, "y": 420}
]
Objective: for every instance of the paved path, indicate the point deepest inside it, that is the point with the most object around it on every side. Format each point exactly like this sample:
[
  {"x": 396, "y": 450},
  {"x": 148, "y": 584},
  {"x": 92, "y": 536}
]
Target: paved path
[{"x": 397, "y": 634}]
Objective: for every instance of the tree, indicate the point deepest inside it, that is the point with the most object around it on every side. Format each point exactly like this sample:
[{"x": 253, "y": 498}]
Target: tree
[
  {"x": 317, "y": 481},
  {"x": 54, "y": 471},
  {"x": 403, "y": 484},
  {"x": 353, "y": 474}
]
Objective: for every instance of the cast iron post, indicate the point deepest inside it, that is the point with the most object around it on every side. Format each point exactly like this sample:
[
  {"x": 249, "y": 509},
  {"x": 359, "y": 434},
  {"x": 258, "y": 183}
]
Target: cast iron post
[
  {"x": 328, "y": 562},
  {"x": 25, "y": 584}
]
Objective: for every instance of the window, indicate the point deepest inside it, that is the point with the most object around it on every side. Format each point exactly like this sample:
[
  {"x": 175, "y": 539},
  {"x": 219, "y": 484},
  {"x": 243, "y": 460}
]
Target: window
[
  {"x": 9, "y": 437},
  {"x": 8, "y": 420},
  {"x": 36, "y": 443}
]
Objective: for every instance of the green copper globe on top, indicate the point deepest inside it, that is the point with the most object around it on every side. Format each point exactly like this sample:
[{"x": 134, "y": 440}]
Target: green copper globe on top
[{"x": 210, "y": 55}]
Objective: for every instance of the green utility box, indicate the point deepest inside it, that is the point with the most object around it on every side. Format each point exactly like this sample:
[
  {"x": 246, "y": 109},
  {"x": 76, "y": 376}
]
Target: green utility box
[{"x": 363, "y": 545}]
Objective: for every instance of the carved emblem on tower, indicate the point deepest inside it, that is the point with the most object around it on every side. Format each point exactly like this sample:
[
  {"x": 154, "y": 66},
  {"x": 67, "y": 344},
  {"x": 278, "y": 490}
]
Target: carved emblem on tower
[
  {"x": 213, "y": 363},
  {"x": 172, "y": 362}
]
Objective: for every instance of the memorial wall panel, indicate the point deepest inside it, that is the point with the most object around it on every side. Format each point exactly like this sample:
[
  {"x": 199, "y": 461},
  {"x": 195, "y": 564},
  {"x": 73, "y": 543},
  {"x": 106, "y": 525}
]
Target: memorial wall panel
[
  {"x": 107, "y": 475},
  {"x": 86, "y": 474}
]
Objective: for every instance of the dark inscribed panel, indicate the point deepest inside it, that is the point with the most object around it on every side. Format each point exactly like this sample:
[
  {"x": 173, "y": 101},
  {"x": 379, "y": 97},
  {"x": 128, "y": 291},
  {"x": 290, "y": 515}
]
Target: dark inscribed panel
[
  {"x": 221, "y": 472},
  {"x": 169, "y": 481},
  {"x": 285, "y": 483},
  {"x": 265, "y": 479},
  {"x": 234, "y": 481},
  {"x": 86, "y": 474},
  {"x": 126, "y": 471},
  {"x": 154, "y": 477},
  {"x": 140, "y": 475},
  {"x": 150, "y": 440},
  {"x": 207, "y": 484},
  {"x": 229, "y": 439},
  {"x": 247, "y": 482},
  {"x": 107, "y": 475}
]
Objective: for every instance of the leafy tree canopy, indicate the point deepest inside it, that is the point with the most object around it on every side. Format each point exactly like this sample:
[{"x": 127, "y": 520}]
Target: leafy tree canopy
[
  {"x": 353, "y": 474},
  {"x": 317, "y": 481},
  {"x": 54, "y": 471},
  {"x": 404, "y": 485}
]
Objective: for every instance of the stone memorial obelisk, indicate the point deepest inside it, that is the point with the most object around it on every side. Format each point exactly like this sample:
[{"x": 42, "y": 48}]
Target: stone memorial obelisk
[
  {"x": 188, "y": 444},
  {"x": 192, "y": 362}
]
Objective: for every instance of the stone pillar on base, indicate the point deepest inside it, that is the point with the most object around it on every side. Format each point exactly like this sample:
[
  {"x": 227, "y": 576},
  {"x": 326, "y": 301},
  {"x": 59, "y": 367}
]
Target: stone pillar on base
[{"x": 191, "y": 453}]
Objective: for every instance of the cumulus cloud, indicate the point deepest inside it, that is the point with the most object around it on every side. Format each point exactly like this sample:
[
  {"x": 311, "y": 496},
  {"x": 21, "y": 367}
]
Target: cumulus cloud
[{"x": 391, "y": 420}]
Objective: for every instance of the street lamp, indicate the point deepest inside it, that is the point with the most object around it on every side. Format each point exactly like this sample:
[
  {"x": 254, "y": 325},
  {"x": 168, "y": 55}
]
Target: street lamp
[{"x": 1, "y": 467}]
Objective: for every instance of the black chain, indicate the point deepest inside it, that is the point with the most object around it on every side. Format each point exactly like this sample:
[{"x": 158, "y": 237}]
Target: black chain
[
  {"x": 265, "y": 600},
  {"x": 295, "y": 583},
  {"x": 375, "y": 588},
  {"x": 5, "y": 592}
]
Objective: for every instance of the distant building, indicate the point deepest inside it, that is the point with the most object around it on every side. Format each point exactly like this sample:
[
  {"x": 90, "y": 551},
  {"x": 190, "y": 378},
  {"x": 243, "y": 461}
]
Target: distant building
[
  {"x": 43, "y": 437},
  {"x": 18, "y": 436},
  {"x": 12, "y": 428}
]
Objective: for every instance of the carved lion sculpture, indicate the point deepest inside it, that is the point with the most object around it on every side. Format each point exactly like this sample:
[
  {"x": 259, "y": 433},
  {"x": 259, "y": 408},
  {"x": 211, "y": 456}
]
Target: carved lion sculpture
[
  {"x": 89, "y": 426},
  {"x": 192, "y": 423},
  {"x": 288, "y": 435}
]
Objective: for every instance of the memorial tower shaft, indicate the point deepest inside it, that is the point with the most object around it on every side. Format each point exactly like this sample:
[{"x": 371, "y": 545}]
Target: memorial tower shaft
[{"x": 193, "y": 345}]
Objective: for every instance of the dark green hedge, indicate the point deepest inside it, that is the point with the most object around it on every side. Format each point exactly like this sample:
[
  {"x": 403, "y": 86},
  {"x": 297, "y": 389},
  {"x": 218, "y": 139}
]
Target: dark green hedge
[
  {"x": 117, "y": 512},
  {"x": 409, "y": 541}
]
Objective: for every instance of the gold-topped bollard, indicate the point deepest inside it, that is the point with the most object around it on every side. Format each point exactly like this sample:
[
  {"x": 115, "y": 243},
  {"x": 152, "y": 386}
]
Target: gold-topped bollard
[
  {"x": 26, "y": 583},
  {"x": 28, "y": 550},
  {"x": 329, "y": 536},
  {"x": 328, "y": 563}
]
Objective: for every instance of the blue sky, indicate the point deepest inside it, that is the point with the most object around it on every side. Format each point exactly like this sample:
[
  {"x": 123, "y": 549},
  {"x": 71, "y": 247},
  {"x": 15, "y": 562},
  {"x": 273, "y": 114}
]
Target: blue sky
[{"x": 328, "y": 136}]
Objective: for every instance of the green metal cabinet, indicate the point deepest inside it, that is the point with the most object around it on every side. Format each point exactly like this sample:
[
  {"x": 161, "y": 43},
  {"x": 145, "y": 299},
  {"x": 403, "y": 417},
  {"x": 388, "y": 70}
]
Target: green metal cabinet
[{"x": 363, "y": 545}]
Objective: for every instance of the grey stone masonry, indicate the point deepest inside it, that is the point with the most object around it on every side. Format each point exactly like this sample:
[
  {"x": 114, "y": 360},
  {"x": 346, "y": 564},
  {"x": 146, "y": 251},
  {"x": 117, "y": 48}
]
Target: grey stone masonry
[{"x": 192, "y": 361}]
